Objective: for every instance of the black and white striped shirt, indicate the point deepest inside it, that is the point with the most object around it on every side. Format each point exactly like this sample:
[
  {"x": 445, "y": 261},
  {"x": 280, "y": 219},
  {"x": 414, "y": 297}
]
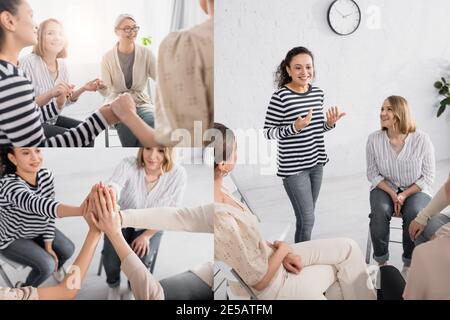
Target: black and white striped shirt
[
  {"x": 297, "y": 151},
  {"x": 21, "y": 119},
  {"x": 26, "y": 211}
]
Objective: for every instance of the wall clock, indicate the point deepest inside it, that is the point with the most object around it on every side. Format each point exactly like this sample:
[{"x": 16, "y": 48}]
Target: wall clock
[{"x": 344, "y": 17}]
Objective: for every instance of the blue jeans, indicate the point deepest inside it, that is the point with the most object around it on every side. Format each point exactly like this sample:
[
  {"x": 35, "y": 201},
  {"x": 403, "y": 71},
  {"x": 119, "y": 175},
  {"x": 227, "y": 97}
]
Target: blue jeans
[
  {"x": 303, "y": 190},
  {"x": 127, "y": 138},
  {"x": 111, "y": 260},
  {"x": 433, "y": 225},
  {"x": 31, "y": 253},
  {"x": 382, "y": 210}
]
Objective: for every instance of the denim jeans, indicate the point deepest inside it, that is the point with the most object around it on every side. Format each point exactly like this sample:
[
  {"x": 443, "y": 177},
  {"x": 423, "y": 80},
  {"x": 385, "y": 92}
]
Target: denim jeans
[
  {"x": 433, "y": 225},
  {"x": 111, "y": 260},
  {"x": 31, "y": 253},
  {"x": 62, "y": 125},
  {"x": 127, "y": 138},
  {"x": 303, "y": 190},
  {"x": 382, "y": 210}
]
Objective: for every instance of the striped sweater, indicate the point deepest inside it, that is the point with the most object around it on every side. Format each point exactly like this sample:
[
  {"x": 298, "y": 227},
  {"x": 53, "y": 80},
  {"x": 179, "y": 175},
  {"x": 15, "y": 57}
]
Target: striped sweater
[
  {"x": 21, "y": 119},
  {"x": 297, "y": 151},
  {"x": 415, "y": 164},
  {"x": 26, "y": 211}
]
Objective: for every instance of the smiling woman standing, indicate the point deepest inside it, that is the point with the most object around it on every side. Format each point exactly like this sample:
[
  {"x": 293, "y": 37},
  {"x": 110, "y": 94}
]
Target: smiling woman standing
[
  {"x": 126, "y": 69},
  {"x": 401, "y": 169},
  {"x": 295, "y": 118}
]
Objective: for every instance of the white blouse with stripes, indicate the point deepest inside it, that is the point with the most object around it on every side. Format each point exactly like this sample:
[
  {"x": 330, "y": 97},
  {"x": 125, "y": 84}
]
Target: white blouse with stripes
[
  {"x": 27, "y": 212},
  {"x": 415, "y": 164},
  {"x": 297, "y": 151}
]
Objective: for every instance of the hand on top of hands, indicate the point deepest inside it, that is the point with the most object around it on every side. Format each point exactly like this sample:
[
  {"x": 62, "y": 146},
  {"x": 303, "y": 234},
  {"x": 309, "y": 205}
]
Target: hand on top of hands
[{"x": 102, "y": 211}]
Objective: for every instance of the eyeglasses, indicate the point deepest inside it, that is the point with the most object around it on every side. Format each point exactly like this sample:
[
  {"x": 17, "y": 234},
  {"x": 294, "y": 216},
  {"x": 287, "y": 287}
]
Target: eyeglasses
[{"x": 130, "y": 29}]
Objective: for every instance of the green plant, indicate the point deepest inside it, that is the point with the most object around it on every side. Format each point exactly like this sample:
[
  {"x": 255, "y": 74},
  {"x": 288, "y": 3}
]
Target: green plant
[
  {"x": 146, "y": 41},
  {"x": 444, "y": 89}
]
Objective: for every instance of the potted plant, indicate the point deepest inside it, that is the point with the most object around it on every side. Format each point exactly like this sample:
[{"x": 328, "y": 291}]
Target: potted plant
[
  {"x": 146, "y": 41},
  {"x": 444, "y": 89}
]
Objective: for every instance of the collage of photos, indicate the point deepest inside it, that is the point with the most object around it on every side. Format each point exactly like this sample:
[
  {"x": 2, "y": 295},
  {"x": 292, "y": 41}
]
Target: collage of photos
[{"x": 224, "y": 150}]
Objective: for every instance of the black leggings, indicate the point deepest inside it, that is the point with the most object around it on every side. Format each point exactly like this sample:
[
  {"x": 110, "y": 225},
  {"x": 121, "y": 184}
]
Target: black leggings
[
  {"x": 62, "y": 125},
  {"x": 392, "y": 284}
]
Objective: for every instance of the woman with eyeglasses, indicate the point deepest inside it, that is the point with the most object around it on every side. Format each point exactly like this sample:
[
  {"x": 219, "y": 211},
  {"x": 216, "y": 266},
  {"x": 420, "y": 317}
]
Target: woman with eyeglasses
[{"x": 126, "y": 69}]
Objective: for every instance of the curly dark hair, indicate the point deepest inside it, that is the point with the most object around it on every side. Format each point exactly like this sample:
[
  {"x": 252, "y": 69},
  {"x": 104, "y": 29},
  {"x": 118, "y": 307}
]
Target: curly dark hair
[
  {"x": 282, "y": 77},
  {"x": 10, "y": 6},
  {"x": 6, "y": 166}
]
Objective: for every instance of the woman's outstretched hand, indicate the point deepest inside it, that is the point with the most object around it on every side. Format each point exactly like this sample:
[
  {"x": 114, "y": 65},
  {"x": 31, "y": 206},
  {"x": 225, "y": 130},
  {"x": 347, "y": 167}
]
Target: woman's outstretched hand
[{"x": 334, "y": 115}]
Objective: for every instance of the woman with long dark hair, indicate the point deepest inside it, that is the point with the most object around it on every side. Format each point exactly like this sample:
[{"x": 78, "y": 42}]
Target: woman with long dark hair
[{"x": 295, "y": 118}]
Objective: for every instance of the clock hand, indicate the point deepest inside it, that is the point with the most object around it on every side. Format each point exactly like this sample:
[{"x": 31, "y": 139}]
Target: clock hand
[
  {"x": 347, "y": 15},
  {"x": 340, "y": 13}
]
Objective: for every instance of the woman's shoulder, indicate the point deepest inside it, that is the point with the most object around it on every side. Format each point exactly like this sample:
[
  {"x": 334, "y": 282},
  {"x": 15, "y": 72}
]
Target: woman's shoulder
[
  {"x": 316, "y": 89},
  {"x": 376, "y": 135},
  {"x": 31, "y": 58},
  {"x": 129, "y": 162},
  {"x": 8, "y": 71},
  {"x": 177, "y": 172},
  {"x": 108, "y": 55}
]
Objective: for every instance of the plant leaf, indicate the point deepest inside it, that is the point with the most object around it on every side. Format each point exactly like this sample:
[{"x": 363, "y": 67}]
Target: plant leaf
[
  {"x": 441, "y": 110},
  {"x": 438, "y": 85},
  {"x": 445, "y": 102},
  {"x": 443, "y": 80}
]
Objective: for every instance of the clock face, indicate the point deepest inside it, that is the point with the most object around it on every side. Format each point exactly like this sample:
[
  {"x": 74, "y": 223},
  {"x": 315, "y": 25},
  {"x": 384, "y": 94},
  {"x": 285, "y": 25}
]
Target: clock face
[{"x": 344, "y": 16}]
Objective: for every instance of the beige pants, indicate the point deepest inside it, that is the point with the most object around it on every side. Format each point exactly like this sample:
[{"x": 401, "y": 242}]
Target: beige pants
[{"x": 332, "y": 269}]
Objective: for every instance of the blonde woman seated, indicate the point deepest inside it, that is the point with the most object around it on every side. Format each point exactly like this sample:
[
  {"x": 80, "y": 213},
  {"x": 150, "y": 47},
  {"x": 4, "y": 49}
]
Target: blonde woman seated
[
  {"x": 152, "y": 179},
  {"x": 401, "y": 169},
  {"x": 279, "y": 270},
  {"x": 50, "y": 76}
]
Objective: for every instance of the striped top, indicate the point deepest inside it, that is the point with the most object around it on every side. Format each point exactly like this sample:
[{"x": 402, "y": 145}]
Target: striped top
[
  {"x": 21, "y": 119},
  {"x": 26, "y": 211},
  {"x": 297, "y": 151},
  {"x": 129, "y": 183},
  {"x": 415, "y": 164},
  {"x": 37, "y": 71}
]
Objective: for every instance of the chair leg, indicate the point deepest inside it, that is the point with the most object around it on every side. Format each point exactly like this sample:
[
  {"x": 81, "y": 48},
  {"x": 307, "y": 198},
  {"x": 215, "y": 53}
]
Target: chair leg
[
  {"x": 100, "y": 267},
  {"x": 6, "y": 278},
  {"x": 368, "y": 248}
]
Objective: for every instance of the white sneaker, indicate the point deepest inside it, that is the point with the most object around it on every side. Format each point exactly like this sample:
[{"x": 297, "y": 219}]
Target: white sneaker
[
  {"x": 59, "y": 275},
  {"x": 374, "y": 273},
  {"x": 404, "y": 272},
  {"x": 114, "y": 293}
]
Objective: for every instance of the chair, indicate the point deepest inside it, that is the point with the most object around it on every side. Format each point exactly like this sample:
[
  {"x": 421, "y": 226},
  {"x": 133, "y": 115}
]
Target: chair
[
  {"x": 369, "y": 243},
  {"x": 246, "y": 287},
  {"x": 5, "y": 261}
]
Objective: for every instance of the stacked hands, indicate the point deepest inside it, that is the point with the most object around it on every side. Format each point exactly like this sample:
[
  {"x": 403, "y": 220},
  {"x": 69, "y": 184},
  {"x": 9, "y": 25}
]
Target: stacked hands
[
  {"x": 291, "y": 262},
  {"x": 333, "y": 116},
  {"x": 101, "y": 212}
]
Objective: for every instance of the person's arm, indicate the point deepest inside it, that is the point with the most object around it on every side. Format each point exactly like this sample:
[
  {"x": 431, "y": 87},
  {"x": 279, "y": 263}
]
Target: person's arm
[
  {"x": 68, "y": 289},
  {"x": 125, "y": 109},
  {"x": 106, "y": 79},
  {"x": 373, "y": 173},
  {"x": 428, "y": 166},
  {"x": 90, "y": 86},
  {"x": 273, "y": 128},
  {"x": 45, "y": 98},
  {"x": 121, "y": 176},
  {"x": 199, "y": 219},
  {"x": 143, "y": 285},
  {"x": 275, "y": 261}
]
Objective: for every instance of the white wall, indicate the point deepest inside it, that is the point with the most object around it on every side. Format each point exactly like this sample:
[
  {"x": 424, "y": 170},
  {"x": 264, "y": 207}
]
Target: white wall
[
  {"x": 405, "y": 56},
  {"x": 89, "y": 26}
]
